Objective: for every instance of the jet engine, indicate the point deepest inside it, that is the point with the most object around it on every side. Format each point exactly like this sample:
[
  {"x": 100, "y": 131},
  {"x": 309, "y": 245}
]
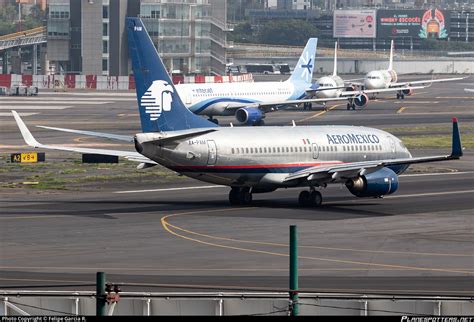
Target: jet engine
[
  {"x": 376, "y": 184},
  {"x": 249, "y": 116},
  {"x": 407, "y": 92},
  {"x": 361, "y": 100}
]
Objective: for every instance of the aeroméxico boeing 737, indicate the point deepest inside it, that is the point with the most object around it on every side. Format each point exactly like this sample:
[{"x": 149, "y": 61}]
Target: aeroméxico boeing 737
[
  {"x": 250, "y": 159},
  {"x": 250, "y": 101}
]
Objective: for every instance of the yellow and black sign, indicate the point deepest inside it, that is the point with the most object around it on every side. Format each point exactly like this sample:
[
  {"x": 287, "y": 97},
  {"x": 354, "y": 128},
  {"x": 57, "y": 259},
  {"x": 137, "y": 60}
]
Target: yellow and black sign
[{"x": 30, "y": 157}]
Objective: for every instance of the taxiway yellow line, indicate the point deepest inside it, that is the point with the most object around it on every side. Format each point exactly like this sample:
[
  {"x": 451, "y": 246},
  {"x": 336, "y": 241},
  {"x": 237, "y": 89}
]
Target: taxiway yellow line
[
  {"x": 166, "y": 226},
  {"x": 320, "y": 113},
  {"x": 401, "y": 110}
]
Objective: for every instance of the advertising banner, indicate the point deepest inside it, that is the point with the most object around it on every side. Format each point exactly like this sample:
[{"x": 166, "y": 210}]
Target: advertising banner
[
  {"x": 431, "y": 23},
  {"x": 354, "y": 24}
]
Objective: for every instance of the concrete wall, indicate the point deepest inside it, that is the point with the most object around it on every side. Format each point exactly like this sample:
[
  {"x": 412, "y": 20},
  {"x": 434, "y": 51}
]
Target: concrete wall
[{"x": 359, "y": 66}]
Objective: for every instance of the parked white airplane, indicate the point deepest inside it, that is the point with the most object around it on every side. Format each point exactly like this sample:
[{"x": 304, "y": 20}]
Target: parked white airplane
[
  {"x": 387, "y": 78},
  {"x": 250, "y": 101},
  {"x": 333, "y": 86},
  {"x": 250, "y": 159}
]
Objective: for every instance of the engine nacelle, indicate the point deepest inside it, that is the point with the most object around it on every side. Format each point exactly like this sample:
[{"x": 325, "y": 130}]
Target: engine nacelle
[
  {"x": 407, "y": 92},
  {"x": 376, "y": 184},
  {"x": 249, "y": 116},
  {"x": 350, "y": 88},
  {"x": 361, "y": 100}
]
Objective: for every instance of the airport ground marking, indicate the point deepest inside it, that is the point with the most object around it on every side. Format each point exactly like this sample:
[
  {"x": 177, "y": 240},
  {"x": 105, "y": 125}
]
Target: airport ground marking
[
  {"x": 172, "y": 189},
  {"x": 310, "y": 247},
  {"x": 167, "y": 226},
  {"x": 401, "y": 110},
  {"x": 319, "y": 113},
  {"x": 417, "y": 102}
]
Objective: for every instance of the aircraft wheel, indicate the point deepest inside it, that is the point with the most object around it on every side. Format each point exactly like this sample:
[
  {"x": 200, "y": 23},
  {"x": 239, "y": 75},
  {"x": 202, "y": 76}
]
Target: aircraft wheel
[
  {"x": 304, "y": 199},
  {"x": 245, "y": 197},
  {"x": 398, "y": 96},
  {"x": 348, "y": 106},
  {"x": 316, "y": 198},
  {"x": 353, "y": 106},
  {"x": 402, "y": 96},
  {"x": 234, "y": 194}
]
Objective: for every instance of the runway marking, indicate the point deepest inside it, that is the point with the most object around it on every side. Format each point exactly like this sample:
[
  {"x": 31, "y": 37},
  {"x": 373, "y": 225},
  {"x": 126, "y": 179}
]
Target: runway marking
[
  {"x": 76, "y": 102},
  {"x": 35, "y": 107},
  {"x": 417, "y": 102},
  {"x": 454, "y": 97},
  {"x": 429, "y": 194},
  {"x": 435, "y": 174},
  {"x": 9, "y": 114},
  {"x": 401, "y": 110},
  {"x": 171, "y": 189},
  {"x": 166, "y": 225},
  {"x": 320, "y": 113}
]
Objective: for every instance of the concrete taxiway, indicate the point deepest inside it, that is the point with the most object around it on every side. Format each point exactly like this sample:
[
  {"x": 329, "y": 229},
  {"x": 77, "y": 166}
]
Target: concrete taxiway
[{"x": 183, "y": 234}]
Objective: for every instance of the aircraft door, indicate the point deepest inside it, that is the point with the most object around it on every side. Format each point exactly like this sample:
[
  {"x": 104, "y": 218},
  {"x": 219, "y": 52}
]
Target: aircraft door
[
  {"x": 315, "y": 149},
  {"x": 392, "y": 145},
  {"x": 189, "y": 98},
  {"x": 212, "y": 152}
]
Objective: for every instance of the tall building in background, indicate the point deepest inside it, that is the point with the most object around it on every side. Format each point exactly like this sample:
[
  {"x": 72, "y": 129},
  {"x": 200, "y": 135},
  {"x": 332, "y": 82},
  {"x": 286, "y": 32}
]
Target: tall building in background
[
  {"x": 89, "y": 36},
  {"x": 190, "y": 35}
]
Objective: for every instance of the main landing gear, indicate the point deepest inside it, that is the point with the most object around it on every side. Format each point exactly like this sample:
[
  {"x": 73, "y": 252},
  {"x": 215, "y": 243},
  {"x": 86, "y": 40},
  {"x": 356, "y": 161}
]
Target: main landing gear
[
  {"x": 400, "y": 95},
  {"x": 310, "y": 198},
  {"x": 243, "y": 196},
  {"x": 351, "y": 105},
  {"x": 240, "y": 196},
  {"x": 307, "y": 106}
]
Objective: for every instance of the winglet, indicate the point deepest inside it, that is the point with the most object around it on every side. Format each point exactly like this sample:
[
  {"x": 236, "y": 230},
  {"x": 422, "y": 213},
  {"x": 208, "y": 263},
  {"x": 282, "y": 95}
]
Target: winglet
[
  {"x": 27, "y": 136},
  {"x": 456, "y": 152}
]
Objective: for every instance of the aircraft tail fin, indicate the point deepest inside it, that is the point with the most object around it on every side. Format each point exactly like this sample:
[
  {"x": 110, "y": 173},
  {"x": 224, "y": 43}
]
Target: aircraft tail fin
[
  {"x": 160, "y": 106},
  {"x": 390, "y": 63},
  {"x": 334, "y": 73},
  {"x": 303, "y": 71}
]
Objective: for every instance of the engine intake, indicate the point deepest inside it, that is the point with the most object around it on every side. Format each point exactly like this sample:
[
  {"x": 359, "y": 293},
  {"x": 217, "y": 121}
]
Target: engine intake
[
  {"x": 361, "y": 100},
  {"x": 407, "y": 92},
  {"x": 376, "y": 184},
  {"x": 249, "y": 116}
]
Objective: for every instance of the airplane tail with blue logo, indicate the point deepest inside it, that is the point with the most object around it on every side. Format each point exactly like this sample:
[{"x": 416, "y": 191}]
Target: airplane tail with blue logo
[
  {"x": 161, "y": 109},
  {"x": 303, "y": 71}
]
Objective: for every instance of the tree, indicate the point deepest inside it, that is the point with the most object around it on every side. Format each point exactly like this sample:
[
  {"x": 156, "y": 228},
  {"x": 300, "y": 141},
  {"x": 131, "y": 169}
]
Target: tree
[
  {"x": 243, "y": 33},
  {"x": 287, "y": 32}
]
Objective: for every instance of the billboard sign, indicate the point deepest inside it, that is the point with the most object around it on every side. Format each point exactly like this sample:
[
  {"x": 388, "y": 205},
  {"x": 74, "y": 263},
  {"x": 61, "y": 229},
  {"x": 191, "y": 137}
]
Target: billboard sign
[
  {"x": 431, "y": 23},
  {"x": 354, "y": 24}
]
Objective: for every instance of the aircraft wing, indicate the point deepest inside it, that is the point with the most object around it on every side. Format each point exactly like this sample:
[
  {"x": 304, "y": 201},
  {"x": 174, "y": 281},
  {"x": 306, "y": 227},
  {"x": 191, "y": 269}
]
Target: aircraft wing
[
  {"x": 343, "y": 171},
  {"x": 117, "y": 137},
  {"x": 275, "y": 105},
  {"x": 382, "y": 90},
  {"x": 31, "y": 141},
  {"x": 426, "y": 81},
  {"x": 312, "y": 91}
]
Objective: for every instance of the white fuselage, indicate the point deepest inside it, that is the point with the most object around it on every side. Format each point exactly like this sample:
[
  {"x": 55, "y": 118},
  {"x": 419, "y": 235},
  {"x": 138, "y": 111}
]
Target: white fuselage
[
  {"x": 221, "y": 98},
  {"x": 265, "y": 156},
  {"x": 329, "y": 82},
  {"x": 379, "y": 79}
]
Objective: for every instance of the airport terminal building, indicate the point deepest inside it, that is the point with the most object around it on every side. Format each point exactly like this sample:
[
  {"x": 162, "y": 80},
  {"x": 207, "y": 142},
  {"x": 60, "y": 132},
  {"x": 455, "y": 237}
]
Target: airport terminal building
[{"x": 89, "y": 37}]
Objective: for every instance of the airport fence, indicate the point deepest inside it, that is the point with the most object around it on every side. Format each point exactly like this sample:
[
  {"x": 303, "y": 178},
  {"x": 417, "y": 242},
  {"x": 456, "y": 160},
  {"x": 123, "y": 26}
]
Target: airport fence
[
  {"x": 95, "y": 82},
  {"x": 231, "y": 303}
]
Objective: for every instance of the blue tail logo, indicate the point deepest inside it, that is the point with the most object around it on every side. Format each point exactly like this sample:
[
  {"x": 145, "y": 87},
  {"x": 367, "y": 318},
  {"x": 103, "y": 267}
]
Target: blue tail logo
[
  {"x": 160, "y": 106},
  {"x": 157, "y": 99},
  {"x": 303, "y": 72}
]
